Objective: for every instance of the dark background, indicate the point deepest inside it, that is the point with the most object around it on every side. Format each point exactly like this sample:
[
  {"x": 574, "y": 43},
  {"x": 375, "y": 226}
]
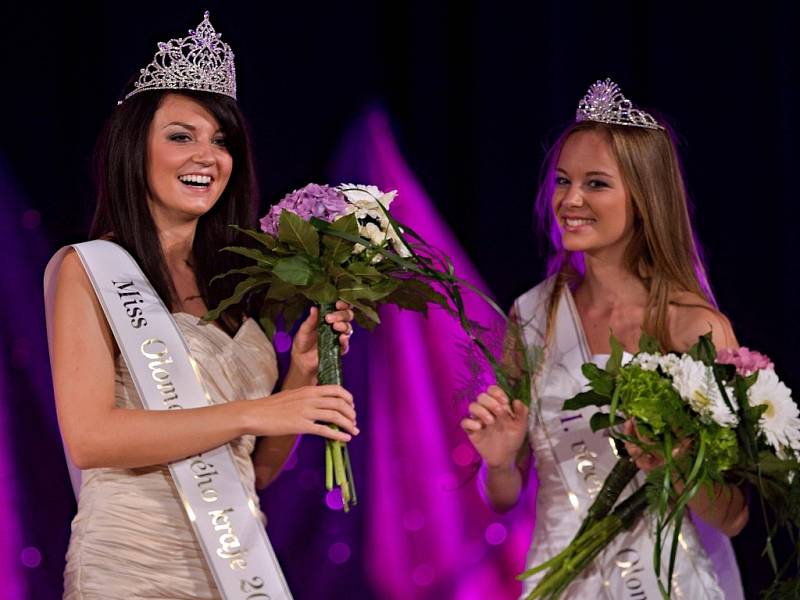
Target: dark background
[{"x": 475, "y": 91}]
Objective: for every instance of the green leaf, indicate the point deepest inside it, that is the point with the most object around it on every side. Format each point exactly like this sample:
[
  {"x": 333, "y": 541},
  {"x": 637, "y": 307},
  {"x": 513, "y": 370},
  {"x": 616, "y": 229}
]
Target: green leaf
[
  {"x": 264, "y": 239},
  {"x": 298, "y": 233},
  {"x": 251, "y": 270},
  {"x": 293, "y": 269},
  {"x": 725, "y": 372},
  {"x": 269, "y": 310},
  {"x": 365, "y": 271},
  {"x": 322, "y": 291},
  {"x": 704, "y": 350},
  {"x": 772, "y": 465},
  {"x": 600, "y": 380},
  {"x": 615, "y": 360},
  {"x": 365, "y": 322},
  {"x": 366, "y": 291},
  {"x": 267, "y": 326},
  {"x": 338, "y": 248},
  {"x": 413, "y": 294},
  {"x": 599, "y": 421},
  {"x": 281, "y": 290},
  {"x": 252, "y": 253},
  {"x": 648, "y": 344},
  {"x": 241, "y": 289},
  {"x": 384, "y": 288},
  {"x": 293, "y": 309},
  {"x": 589, "y": 398},
  {"x": 364, "y": 307}
]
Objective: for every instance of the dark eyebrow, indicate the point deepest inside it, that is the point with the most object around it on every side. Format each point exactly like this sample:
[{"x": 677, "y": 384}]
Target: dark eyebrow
[
  {"x": 181, "y": 124},
  {"x": 189, "y": 127}
]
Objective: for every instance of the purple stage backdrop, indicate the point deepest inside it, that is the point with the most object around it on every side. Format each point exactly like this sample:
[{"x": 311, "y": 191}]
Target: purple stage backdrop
[{"x": 428, "y": 535}]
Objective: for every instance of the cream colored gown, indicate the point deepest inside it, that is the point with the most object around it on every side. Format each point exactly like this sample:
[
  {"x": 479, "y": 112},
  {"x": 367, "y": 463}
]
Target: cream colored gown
[{"x": 131, "y": 538}]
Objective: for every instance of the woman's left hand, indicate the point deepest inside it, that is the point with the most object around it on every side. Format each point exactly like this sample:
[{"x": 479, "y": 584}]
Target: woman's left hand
[
  {"x": 304, "y": 345},
  {"x": 648, "y": 461}
]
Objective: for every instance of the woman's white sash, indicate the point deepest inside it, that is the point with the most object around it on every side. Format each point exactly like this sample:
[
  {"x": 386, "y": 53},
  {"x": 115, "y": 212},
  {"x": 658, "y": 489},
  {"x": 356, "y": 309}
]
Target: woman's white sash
[
  {"x": 584, "y": 458},
  {"x": 225, "y": 519}
]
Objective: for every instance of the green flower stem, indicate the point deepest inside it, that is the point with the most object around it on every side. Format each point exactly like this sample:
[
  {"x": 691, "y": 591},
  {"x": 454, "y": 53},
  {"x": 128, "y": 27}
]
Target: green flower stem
[
  {"x": 329, "y": 372},
  {"x": 583, "y": 549},
  {"x": 328, "y": 468},
  {"x": 621, "y": 474}
]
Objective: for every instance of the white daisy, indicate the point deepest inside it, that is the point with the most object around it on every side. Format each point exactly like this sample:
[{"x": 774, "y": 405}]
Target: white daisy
[{"x": 780, "y": 423}]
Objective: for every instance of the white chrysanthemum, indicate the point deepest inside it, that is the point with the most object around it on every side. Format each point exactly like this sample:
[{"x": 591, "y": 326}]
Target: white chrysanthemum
[
  {"x": 695, "y": 383},
  {"x": 780, "y": 423},
  {"x": 366, "y": 201},
  {"x": 668, "y": 363},
  {"x": 648, "y": 362},
  {"x": 397, "y": 243},
  {"x": 374, "y": 233}
]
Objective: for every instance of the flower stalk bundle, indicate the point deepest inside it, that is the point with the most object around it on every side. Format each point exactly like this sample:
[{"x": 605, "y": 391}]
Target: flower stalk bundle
[
  {"x": 322, "y": 244},
  {"x": 715, "y": 419}
]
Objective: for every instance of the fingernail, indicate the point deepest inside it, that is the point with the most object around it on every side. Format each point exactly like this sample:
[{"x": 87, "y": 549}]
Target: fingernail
[{"x": 357, "y": 430}]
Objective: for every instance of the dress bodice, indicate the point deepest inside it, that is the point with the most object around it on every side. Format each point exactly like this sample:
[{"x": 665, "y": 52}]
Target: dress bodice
[{"x": 131, "y": 537}]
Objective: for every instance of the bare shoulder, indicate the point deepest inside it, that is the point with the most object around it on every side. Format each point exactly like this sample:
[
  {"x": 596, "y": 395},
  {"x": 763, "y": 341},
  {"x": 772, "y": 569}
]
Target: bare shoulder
[
  {"x": 77, "y": 308},
  {"x": 692, "y": 316},
  {"x": 72, "y": 272}
]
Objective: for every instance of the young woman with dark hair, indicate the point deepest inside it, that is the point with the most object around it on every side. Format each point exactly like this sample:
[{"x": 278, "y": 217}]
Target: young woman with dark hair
[
  {"x": 614, "y": 205},
  {"x": 121, "y": 171},
  {"x": 174, "y": 170}
]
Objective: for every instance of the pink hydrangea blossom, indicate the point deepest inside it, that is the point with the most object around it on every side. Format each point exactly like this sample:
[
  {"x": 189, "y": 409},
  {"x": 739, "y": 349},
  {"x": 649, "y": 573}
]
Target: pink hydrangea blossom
[
  {"x": 746, "y": 361},
  {"x": 313, "y": 200}
]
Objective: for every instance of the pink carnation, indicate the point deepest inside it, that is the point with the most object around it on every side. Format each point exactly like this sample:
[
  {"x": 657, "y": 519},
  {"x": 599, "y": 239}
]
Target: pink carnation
[{"x": 746, "y": 361}]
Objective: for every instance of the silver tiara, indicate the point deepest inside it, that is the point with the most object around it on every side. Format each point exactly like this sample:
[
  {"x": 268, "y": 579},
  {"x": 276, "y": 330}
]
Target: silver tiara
[
  {"x": 605, "y": 103},
  {"x": 200, "y": 61}
]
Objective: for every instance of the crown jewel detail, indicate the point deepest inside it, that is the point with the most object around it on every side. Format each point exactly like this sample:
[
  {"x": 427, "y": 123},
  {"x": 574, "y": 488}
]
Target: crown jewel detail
[
  {"x": 605, "y": 103},
  {"x": 201, "y": 61}
]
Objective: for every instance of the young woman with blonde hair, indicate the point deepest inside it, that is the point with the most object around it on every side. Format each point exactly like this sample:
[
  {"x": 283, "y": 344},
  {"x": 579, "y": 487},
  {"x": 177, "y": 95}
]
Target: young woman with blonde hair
[{"x": 625, "y": 260}]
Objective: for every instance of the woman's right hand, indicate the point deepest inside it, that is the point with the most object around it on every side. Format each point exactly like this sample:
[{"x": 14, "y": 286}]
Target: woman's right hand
[
  {"x": 496, "y": 427},
  {"x": 304, "y": 410}
]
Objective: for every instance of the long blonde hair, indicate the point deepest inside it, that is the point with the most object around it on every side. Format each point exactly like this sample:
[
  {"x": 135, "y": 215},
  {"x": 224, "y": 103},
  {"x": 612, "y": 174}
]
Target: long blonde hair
[{"x": 664, "y": 250}]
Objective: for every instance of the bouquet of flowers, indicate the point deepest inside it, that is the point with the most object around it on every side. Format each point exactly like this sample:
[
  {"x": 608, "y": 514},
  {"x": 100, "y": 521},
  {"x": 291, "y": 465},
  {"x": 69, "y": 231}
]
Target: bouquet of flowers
[
  {"x": 715, "y": 419},
  {"x": 321, "y": 244}
]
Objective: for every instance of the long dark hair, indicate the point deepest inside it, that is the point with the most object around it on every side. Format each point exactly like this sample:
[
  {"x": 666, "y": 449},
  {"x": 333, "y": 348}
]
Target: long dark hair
[{"x": 122, "y": 213}]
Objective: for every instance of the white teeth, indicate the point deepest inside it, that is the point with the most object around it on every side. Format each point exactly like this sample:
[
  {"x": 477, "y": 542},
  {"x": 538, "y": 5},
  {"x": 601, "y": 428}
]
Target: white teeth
[
  {"x": 202, "y": 179},
  {"x": 578, "y": 222}
]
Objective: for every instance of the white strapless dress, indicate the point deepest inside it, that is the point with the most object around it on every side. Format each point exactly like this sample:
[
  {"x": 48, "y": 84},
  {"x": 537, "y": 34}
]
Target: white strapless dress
[{"x": 706, "y": 568}]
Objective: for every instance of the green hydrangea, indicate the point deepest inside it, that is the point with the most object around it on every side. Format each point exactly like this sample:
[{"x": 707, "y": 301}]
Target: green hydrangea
[
  {"x": 722, "y": 449},
  {"x": 651, "y": 399}
]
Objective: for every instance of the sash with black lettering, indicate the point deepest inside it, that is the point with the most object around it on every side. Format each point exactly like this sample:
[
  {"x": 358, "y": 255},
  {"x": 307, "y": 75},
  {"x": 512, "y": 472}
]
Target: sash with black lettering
[{"x": 225, "y": 519}]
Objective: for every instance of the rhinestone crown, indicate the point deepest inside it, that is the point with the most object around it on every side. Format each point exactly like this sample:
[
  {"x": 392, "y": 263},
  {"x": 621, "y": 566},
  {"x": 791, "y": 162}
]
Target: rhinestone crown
[
  {"x": 200, "y": 61},
  {"x": 605, "y": 103}
]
